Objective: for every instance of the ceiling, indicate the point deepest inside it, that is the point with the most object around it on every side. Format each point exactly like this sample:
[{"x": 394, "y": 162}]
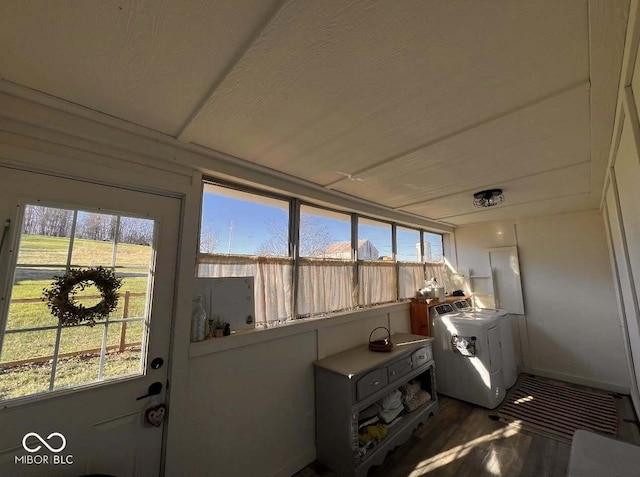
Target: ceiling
[{"x": 414, "y": 105}]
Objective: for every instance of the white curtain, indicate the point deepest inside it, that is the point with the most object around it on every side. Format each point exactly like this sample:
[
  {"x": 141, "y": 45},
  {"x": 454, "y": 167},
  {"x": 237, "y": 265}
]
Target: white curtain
[
  {"x": 325, "y": 286},
  {"x": 376, "y": 282},
  {"x": 442, "y": 273},
  {"x": 272, "y": 282},
  {"x": 410, "y": 278}
]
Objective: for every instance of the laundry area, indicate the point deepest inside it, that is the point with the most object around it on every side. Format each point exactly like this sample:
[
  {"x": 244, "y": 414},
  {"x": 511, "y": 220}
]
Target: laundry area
[{"x": 276, "y": 238}]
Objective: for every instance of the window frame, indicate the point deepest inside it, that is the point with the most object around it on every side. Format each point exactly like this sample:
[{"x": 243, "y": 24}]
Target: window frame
[
  {"x": 295, "y": 205},
  {"x": 9, "y": 285}
]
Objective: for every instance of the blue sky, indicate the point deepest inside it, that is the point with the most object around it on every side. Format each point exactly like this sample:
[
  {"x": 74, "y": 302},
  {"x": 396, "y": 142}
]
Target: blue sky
[{"x": 242, "y": 226}]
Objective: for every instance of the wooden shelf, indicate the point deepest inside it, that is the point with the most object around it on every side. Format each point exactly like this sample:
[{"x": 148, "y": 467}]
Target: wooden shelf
[{"x": 419, "y": 313}]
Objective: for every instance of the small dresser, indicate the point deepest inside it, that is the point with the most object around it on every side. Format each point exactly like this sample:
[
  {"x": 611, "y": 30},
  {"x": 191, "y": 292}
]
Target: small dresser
[{"x": 349, "y": 382}]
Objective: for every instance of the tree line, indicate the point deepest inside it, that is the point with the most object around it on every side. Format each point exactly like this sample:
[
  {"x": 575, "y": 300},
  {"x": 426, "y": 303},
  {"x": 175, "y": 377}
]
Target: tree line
[{"x": 55, "y": 222}]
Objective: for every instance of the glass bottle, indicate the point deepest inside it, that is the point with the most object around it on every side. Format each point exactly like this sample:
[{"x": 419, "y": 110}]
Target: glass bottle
[{"x": 198, "y": 320}]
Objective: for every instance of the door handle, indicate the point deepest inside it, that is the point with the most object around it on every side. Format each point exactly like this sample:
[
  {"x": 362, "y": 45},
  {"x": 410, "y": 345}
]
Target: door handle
[{"x": 154, "y": 388}]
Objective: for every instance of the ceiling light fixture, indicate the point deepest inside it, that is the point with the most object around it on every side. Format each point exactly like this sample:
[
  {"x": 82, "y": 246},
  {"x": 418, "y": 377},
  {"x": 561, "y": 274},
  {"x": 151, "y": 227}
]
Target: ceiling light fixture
[{"x": 488, "y": 198}]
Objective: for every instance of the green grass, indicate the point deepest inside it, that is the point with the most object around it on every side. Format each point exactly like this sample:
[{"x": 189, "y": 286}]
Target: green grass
[
  {"x": 34, "y": 378},
  {"x": 29, "y": 283}
]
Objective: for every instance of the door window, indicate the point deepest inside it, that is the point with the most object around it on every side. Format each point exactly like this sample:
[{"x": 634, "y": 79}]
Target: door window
[{"x": 37, "y": 355}]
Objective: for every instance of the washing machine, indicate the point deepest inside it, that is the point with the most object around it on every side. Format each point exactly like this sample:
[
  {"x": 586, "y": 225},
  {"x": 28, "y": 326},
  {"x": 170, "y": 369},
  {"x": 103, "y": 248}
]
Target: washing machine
[
  {"x": 468, "y": 356},
  {"x": 509, "y": 364}
]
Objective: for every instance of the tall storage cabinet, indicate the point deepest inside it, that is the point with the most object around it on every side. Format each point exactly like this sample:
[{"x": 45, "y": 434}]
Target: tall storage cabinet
[{"x": 348, "y": 382}]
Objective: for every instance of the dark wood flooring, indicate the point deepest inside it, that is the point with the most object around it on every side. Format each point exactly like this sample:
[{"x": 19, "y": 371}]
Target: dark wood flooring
[{"x": 462, "y": 440}]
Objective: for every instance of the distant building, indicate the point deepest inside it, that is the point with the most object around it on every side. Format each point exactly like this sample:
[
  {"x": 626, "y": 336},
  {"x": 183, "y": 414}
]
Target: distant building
[
  {"x": 428, "y": 256},
  {"x": 342, "y": 250}
]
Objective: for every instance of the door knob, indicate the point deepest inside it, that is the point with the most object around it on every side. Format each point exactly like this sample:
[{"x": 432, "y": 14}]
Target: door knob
[{"x": 154, "y": 388}]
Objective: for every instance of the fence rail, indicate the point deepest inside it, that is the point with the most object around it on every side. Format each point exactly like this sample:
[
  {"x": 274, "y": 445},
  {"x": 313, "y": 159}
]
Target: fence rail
[{"x": 119, "y": 347}]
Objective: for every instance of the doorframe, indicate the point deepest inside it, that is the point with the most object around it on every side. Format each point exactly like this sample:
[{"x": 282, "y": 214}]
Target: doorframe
[{"x": 186, "y": 253}]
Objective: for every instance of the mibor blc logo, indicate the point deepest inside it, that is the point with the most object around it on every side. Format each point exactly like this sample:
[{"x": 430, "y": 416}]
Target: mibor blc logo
[{"x": 36, "y": 447}]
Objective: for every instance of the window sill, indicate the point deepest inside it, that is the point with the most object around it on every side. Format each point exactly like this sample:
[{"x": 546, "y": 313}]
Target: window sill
[{"x": 299, "y": 326}]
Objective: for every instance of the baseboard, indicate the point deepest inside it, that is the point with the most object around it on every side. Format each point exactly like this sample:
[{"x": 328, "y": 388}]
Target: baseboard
[
  {"x": 570, "y": 378},
  {"x": 298, "y": 463}
]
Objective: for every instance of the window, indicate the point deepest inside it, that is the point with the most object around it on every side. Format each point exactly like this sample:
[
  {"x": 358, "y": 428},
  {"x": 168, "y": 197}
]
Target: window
[
  {"x": 410, "y": 266},
  {"x": 247, "y": 235},
  {"x": 240, "y": 223},
  {"x": 37, "y": 354},
  {"x": 376, "y": 269},
  {"x": 433, "y": 248},
  {"x": 408, "y": 243},
  {"x": 326, "y": 258},
  {"x": 324, "y": 233}
]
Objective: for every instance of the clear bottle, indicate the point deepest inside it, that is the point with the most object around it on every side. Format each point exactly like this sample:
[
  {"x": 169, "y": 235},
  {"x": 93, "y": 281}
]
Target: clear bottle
[{"x": 198, "y": 320}]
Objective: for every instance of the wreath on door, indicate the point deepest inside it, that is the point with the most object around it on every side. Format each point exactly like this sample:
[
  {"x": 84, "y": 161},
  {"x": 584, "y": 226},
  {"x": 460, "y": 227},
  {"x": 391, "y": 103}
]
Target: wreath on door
[{"x": 61, "y": 296}]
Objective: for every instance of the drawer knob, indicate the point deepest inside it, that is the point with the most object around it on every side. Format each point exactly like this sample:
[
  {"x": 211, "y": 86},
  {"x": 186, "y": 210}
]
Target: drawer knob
[
  {"x": 374, "y": 383},
  {"x": 393, "y": 373}
]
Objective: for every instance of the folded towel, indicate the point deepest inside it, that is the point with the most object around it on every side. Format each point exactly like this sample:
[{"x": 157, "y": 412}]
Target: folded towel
[
  {"x": 409, "y": 390},
  {"x": 392, "y": 401},
  {"x": 388, "y": 415},
  {"x": 418, "y": 400}
]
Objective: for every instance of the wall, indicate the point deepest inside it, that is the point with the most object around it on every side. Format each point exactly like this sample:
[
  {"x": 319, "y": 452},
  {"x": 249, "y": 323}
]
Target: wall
[
  {"x": 250, "y": 399},
  {"x": 620, "y": 200},
  {"x": 269, "y": 371},
  {"x": 570, "y": 329}
]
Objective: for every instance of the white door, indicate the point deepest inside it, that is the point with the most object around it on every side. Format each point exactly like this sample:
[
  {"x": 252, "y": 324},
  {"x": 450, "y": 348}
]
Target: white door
[{"x": 69, "y": 394}]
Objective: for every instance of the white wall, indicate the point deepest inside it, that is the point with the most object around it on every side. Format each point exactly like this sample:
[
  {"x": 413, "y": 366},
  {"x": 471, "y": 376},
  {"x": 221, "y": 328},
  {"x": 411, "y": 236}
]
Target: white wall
[
  {"x": 250, "y": 408},
  {"x": 621, "y": 196},
  {"x": 571, "y": 327},
  {"x": 270, "y": 374}
]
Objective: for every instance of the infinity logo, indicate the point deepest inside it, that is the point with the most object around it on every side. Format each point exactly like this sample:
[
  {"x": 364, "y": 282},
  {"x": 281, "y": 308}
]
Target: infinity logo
[{"x": 44, "y": 443}]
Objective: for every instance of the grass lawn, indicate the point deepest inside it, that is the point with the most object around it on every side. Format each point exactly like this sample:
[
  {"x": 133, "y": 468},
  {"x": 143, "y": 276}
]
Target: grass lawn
[{"x": 30, "y": 280}]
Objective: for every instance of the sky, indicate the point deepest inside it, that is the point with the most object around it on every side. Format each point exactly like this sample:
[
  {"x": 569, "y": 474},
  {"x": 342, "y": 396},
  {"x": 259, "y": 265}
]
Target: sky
[{"x": 241, "y": 226}]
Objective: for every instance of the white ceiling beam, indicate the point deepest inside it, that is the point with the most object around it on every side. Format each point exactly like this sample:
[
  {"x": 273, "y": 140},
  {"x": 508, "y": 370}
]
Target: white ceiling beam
[
  {"x": 183, "y": 132},
  {"x": 496, "y": 117}
]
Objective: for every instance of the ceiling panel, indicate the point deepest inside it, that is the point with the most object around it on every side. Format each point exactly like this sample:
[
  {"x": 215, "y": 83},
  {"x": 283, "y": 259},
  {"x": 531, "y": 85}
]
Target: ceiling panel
[
  {"x": 149, "y": 63},
  {"x": 566, "y": 182},
  {"x": 339, "y": 88},
  {"x": 528, "y": 210},
  {"x": 549, "y": 135},
  {"x": 413, "y": 105}
]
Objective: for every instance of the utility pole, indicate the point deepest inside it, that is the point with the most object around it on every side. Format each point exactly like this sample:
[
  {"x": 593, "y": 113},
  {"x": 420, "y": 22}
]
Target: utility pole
[{"x": 230, "y": 235}]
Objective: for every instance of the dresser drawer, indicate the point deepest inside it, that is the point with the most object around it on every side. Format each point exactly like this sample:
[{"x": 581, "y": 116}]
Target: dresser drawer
[
  {"x": 421, "y": 356},
  {"x": 399, "y": 369},
  {"x": 371, "y": 382}
]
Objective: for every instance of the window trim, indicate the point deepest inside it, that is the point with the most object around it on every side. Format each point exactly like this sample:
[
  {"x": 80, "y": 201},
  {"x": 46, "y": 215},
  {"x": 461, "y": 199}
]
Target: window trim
[
  {"x": 8, "y": 287},
  {"x": 295, "y": 204}
]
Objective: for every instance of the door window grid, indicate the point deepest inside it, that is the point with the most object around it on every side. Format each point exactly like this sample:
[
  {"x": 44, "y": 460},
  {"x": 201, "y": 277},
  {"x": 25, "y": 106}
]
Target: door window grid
[{"x": 108, "y": 320}]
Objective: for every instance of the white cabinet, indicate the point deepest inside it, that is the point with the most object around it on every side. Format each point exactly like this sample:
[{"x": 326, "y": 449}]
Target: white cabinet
[{"x": 349, "y": 382}]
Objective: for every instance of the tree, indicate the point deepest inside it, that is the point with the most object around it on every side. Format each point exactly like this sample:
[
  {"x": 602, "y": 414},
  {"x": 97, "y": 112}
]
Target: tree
[
  {"x": 209, "y": 239},
  {"x": 315, "y": 237}
]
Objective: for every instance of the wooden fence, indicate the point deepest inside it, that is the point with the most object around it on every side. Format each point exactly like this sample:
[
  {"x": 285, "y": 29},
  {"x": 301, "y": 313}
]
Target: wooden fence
[{"x": 119, "y": 347}]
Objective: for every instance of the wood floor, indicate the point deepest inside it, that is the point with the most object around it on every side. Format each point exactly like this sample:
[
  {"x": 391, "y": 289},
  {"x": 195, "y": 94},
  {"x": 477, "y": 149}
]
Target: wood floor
[{"x": 462, "y": 440}]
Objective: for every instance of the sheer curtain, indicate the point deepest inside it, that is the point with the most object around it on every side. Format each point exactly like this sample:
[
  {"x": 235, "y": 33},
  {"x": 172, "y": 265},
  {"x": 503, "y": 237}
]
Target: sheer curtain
[
  {"x": 441, "y": 272},
  {"x": 325, "y": 286},
  {"x": 376, "y": 282},
  {"x": 272, "y": 282},
  {"x": 410, "y": 278}
]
